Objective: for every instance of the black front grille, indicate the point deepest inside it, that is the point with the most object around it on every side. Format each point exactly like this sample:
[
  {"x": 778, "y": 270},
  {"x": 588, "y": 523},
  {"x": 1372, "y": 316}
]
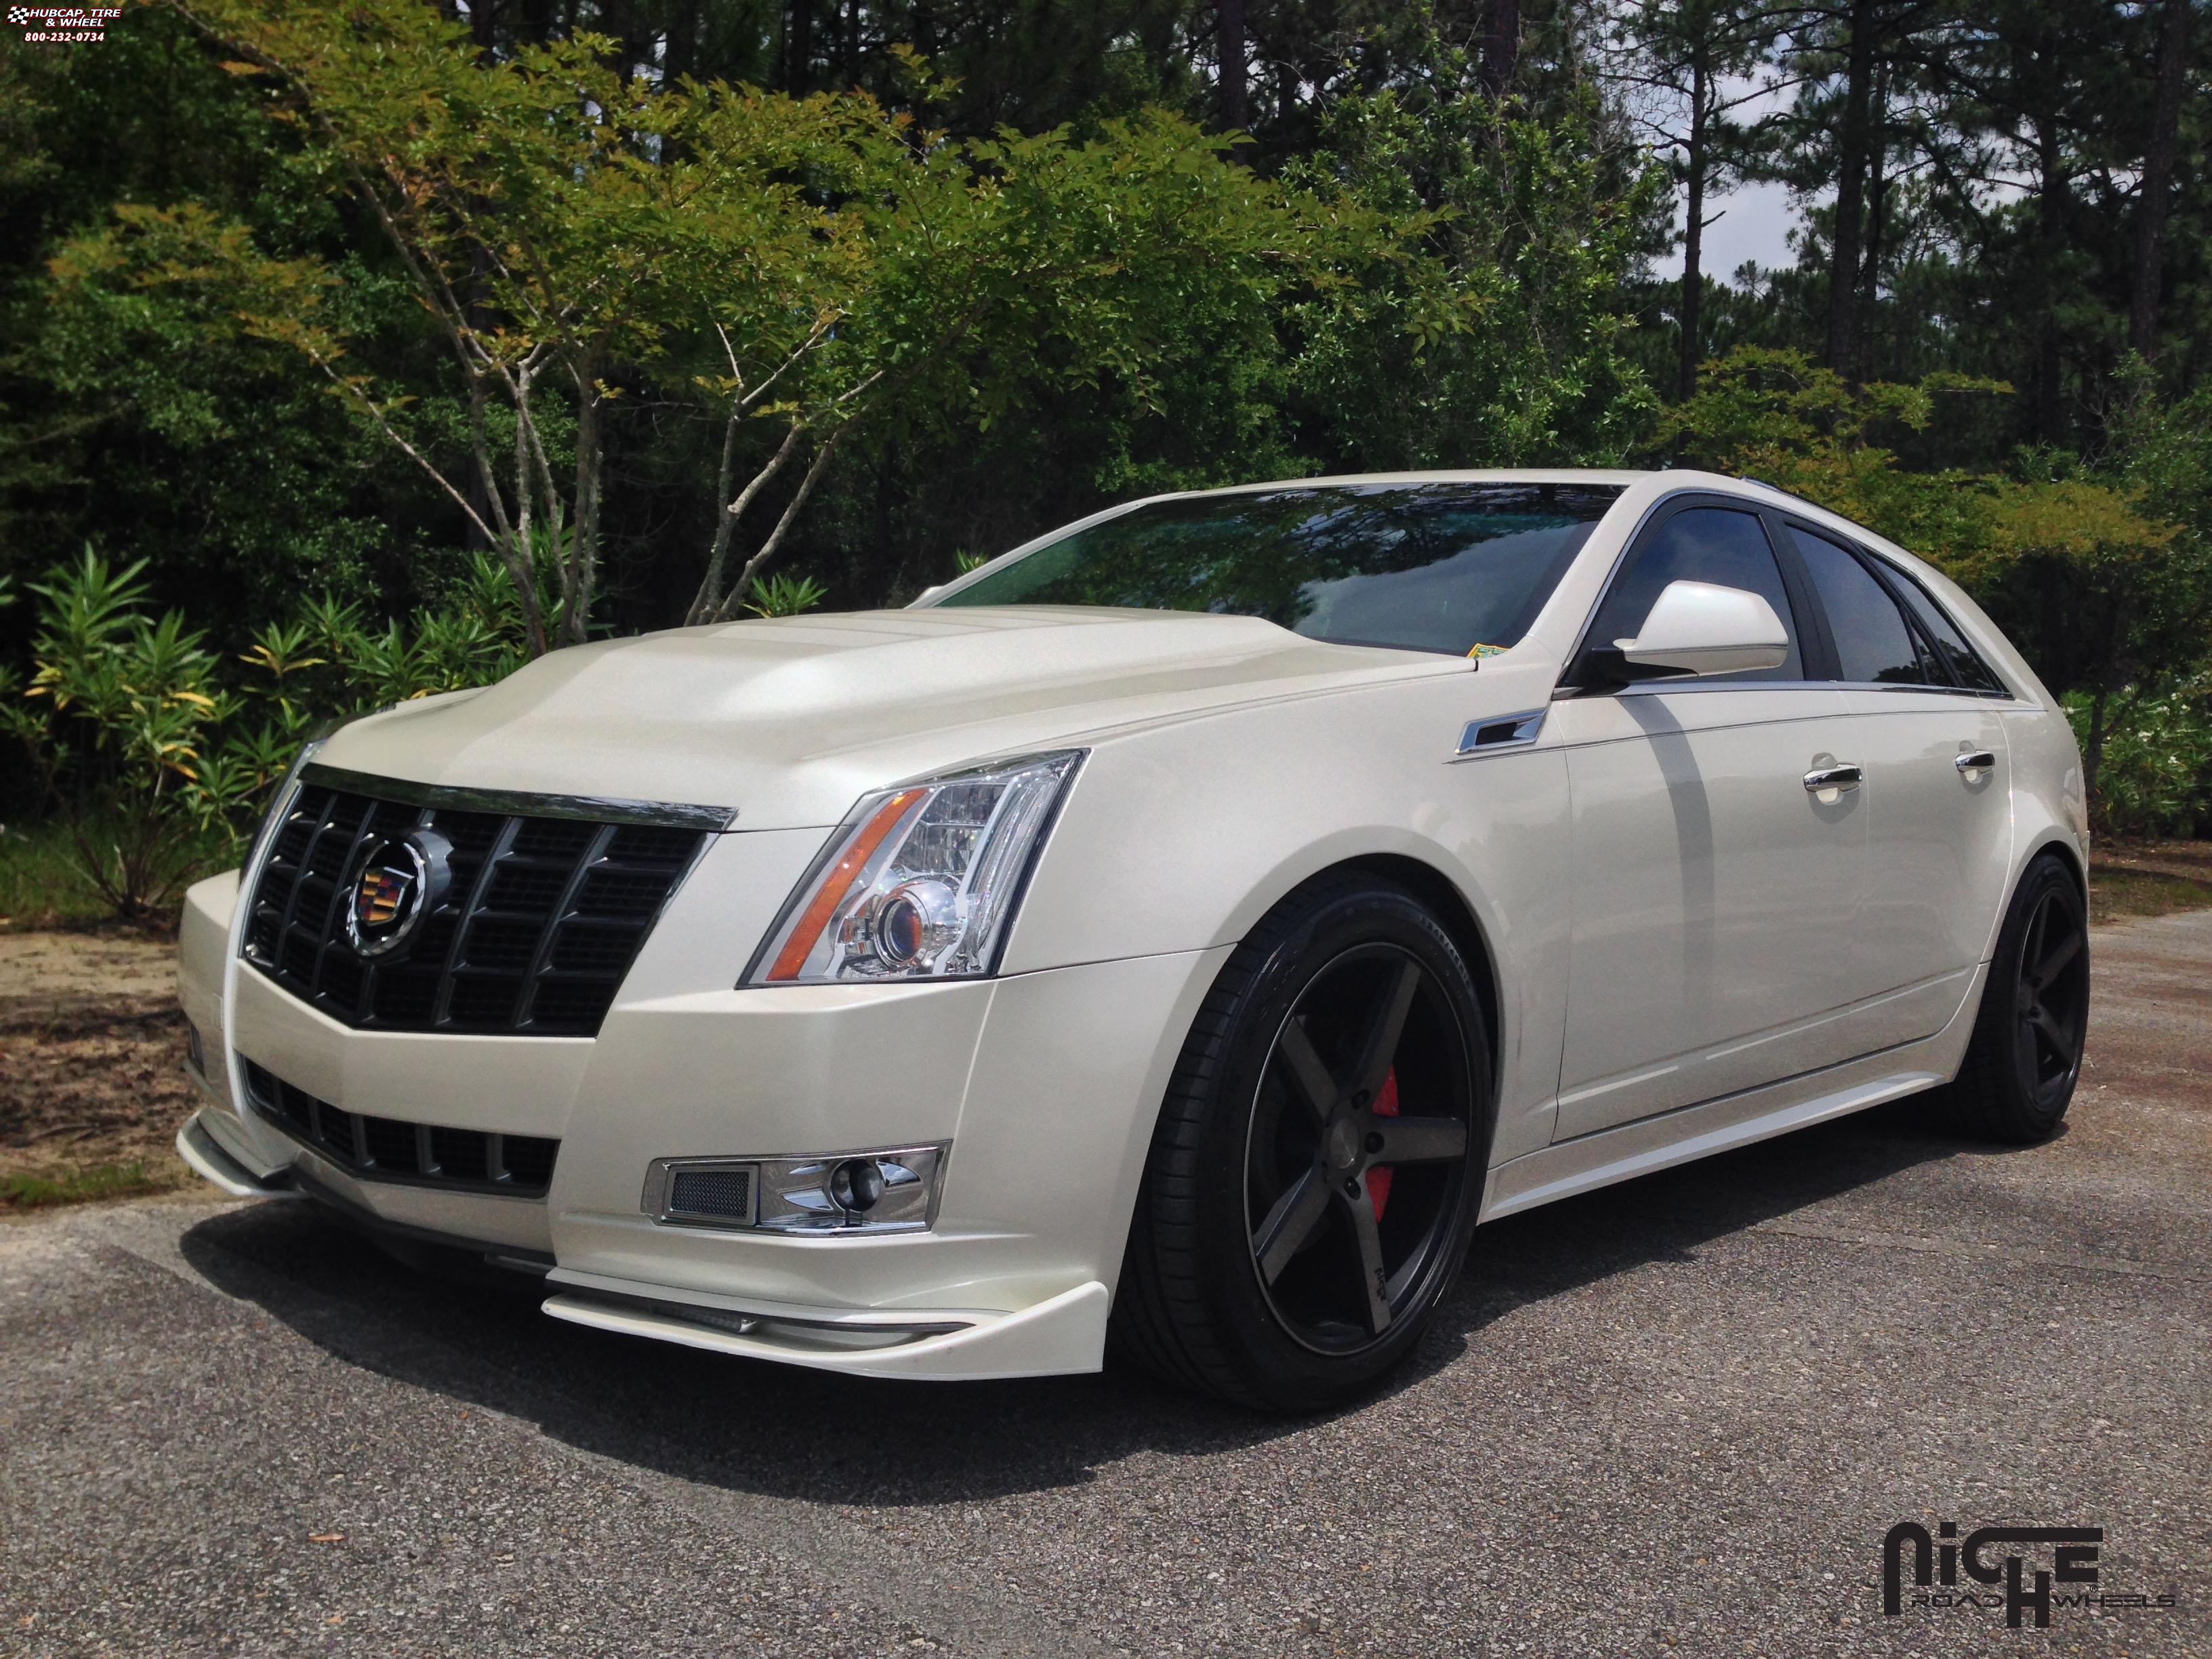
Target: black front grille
[
  {"x": 537, "y": 928},
  {"x": 388, "y": 1149}
]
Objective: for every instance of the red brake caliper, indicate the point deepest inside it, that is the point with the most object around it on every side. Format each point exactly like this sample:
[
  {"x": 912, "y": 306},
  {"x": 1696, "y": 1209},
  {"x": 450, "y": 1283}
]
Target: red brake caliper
[{"x": 1378, "y": 1179}]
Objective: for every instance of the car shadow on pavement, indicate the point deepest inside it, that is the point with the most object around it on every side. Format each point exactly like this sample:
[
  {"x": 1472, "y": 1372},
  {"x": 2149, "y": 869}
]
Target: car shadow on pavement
[
  {"x": 1668, "y": 1215},
  {"x": 755, "y": 1426}
]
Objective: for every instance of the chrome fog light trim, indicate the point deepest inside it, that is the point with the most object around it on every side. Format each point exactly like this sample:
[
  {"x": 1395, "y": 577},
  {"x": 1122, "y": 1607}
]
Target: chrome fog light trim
[{"x": 839, "y": 1194}]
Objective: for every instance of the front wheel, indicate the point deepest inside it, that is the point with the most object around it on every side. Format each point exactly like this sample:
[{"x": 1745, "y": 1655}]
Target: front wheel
[
  {"x": 2025, "y": 1056},
  {"x": 1317, "y": 1168}
]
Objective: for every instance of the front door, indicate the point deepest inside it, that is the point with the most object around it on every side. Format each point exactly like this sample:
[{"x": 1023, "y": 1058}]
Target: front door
[{"x": 1716, "y": 895}]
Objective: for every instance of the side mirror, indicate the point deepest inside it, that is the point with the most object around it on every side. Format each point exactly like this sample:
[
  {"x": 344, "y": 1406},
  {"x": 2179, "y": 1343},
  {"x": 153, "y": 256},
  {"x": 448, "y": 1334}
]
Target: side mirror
[{"x": 1697, "y": 628}]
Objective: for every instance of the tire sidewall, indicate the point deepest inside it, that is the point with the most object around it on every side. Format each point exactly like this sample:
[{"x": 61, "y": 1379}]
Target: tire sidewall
[
  {"x": 2046, "y": 877},
  {"x": 1277, "y": 1363}
]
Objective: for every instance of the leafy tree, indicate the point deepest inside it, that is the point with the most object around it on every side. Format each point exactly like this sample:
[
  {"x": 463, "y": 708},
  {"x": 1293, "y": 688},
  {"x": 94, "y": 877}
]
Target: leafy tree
[
  {"x": 2098, "y": 587},
  {"x": 1506, "y": 344},
  {"x": 973, "y": 276},
  {"x": 1689, "y": 70},
  {"x": 563, "y": 225}
]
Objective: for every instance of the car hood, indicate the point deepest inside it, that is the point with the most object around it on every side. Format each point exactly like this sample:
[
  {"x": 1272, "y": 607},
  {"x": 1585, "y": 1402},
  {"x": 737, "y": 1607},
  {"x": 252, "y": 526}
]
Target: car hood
[{"x": 789, "y": 720}]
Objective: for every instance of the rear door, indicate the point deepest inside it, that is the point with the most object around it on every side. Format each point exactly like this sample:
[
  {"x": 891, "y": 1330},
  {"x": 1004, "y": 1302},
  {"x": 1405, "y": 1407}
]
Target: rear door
[
  {"x": 1929, "y": 739},
  {"x": 1715, "y": 895}
]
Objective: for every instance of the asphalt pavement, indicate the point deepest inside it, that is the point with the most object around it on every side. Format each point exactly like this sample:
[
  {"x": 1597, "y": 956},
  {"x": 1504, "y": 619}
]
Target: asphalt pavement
[{"x": 1677, "y": 1417}]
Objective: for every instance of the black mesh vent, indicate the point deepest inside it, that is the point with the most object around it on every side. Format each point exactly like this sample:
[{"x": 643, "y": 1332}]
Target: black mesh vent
[
  {"x": 387, "y": 1149},
  {"x": 712, "y": 1191},
  {"x": 538, "y": 926}
]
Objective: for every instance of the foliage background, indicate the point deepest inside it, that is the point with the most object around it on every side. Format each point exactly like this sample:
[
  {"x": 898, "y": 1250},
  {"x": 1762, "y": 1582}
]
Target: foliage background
[{"x": 1294, "y": 236}]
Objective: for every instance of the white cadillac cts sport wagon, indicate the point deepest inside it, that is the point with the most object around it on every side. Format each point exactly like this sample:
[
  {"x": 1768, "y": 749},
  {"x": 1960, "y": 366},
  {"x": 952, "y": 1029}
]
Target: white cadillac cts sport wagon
[{"x": 1177, "y": 934}]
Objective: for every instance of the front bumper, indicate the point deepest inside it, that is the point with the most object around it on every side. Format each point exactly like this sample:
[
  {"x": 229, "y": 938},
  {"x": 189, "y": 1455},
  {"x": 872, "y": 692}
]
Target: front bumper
[{"x": 1045, "y": 1085}]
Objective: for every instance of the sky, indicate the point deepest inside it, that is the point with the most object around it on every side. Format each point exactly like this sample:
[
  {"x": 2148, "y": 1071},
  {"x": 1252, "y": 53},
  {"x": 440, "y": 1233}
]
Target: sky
[{"x": 1754, "y": 223}]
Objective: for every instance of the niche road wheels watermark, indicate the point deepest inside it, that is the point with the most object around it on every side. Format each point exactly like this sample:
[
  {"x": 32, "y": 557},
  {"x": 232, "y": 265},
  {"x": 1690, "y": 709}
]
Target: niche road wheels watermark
[{"x": 2003, "y": 1567}]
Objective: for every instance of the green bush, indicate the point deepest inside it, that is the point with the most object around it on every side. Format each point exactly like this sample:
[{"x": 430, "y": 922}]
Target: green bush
[
  {"x": 155, "y": 758},
  {"x": 2154, "y": 777}
]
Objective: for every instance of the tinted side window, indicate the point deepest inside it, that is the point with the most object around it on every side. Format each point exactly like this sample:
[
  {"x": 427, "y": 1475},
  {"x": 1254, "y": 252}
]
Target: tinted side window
[
  {"x": 1950, "y": 645},
  {"x": 1873, "y": 644},
  {"x": 1703, "y": 545}
]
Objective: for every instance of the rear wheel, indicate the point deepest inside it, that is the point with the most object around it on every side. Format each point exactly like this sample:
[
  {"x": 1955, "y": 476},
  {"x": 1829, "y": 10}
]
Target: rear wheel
[
  {"x": 2026, "y": 1054},
  {"x": 1316, "y": 1169}
]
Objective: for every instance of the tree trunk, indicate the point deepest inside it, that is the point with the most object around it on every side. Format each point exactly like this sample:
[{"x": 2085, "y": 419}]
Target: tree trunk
[
  {"x": 2050, "y": 252},
  {"x": 1876, "y": 212},
  {"x": 1501, "y": 45},
  {"x": 1694, "y": 162},
  {"x": 581, "y": 565},
  {"x": 1229, "y": 35},
  {"x": 2093, "y": 751},
  {"x": 798, "y": 47},
  {"x": 2158, "y": 175},
  {"x": 1851, "y": 189},
  {"x": 681, "y": 54}
]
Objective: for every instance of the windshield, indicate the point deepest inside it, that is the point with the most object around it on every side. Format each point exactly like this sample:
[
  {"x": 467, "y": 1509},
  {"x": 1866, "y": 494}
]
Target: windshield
[{"x": 1459, "y": 568}]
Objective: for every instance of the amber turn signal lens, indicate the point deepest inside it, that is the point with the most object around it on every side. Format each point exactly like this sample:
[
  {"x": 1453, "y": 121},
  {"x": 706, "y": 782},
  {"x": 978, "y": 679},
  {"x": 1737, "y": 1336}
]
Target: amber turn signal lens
[{"x": 837, "y": 881}]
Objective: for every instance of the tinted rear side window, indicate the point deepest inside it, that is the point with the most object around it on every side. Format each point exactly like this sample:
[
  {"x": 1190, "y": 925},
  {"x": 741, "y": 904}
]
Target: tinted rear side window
[
  {"x": 1873, "y": 647},
  {"x": 1462, "y": 568},
  {"x": 1712, "y": 545},
  {"x": 1951, "y": 646}
]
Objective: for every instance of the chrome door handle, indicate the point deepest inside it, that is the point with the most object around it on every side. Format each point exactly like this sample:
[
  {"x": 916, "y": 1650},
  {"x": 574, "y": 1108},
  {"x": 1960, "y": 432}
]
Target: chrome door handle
[
  {"x": 1833, "y": 777},
  {"x": 1980, "y": 760}
]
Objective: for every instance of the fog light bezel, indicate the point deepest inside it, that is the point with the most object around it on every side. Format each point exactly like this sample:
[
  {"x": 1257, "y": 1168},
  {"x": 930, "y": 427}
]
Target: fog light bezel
[{"x": 791, "y": 1196}]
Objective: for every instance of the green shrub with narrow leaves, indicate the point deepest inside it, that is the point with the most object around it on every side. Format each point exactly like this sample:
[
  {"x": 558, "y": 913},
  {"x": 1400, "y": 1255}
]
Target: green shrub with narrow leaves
[
  {"x": 2154, "y": 775},
  {"x": 156, "y": 757}
]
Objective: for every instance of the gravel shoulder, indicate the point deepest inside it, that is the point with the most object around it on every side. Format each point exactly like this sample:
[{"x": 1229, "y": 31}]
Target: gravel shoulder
[{"x": 1677, "y": 1417}]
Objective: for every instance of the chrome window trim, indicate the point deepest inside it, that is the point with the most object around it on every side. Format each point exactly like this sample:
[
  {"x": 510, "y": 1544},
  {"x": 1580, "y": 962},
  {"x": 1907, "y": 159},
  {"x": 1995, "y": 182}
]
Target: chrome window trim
[
  {"x": 1718, "y": 682},
  {"x": 1656, "y": 688},
  {"x": 514, "y": 803},
  {"x": 1930, "y": 690}
]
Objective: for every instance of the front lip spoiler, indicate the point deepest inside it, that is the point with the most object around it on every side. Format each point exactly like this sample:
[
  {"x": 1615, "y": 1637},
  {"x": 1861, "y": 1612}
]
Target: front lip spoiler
[
  {"x": 200, "y": 1149},
  {"x": 513, "y": 1257},
  {"x": 211, "y": 1163},
  {"x": 1063, "y": 1333}
]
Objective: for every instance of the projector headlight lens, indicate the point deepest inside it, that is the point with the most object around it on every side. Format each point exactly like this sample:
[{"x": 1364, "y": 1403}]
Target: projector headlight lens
[{"x": 920, "y": 881}]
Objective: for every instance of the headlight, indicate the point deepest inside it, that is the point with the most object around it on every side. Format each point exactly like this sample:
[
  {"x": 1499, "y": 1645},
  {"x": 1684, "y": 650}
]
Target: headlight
[{"x": 920, "y": 881}]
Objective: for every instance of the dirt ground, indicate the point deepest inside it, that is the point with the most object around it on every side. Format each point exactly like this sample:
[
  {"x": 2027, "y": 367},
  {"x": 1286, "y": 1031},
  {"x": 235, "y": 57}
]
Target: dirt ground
[
  {"x": 2149, "y": 878},
  {"x": 91, "y": 1045},
  {"x": 92, "y": 1049}
]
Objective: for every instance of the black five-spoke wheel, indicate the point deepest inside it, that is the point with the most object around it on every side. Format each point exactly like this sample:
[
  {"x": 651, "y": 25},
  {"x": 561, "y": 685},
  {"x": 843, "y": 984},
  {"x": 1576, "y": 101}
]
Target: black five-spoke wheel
[
  {"x": 2026, "y": 1054},
  {"x": 1316, "y": 1173},
  {"x": 2053, "y": 996},
  {"x": 1343, "y": 1219}
]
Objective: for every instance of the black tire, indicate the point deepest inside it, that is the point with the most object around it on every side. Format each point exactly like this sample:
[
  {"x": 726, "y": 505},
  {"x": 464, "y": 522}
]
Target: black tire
[
  {"x": 2025, "y": 1056},
  {"x": 1353, "y": 976}
]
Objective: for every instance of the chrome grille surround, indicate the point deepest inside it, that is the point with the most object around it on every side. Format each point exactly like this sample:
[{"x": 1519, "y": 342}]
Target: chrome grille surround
[{"x": 551, "y": 897}]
